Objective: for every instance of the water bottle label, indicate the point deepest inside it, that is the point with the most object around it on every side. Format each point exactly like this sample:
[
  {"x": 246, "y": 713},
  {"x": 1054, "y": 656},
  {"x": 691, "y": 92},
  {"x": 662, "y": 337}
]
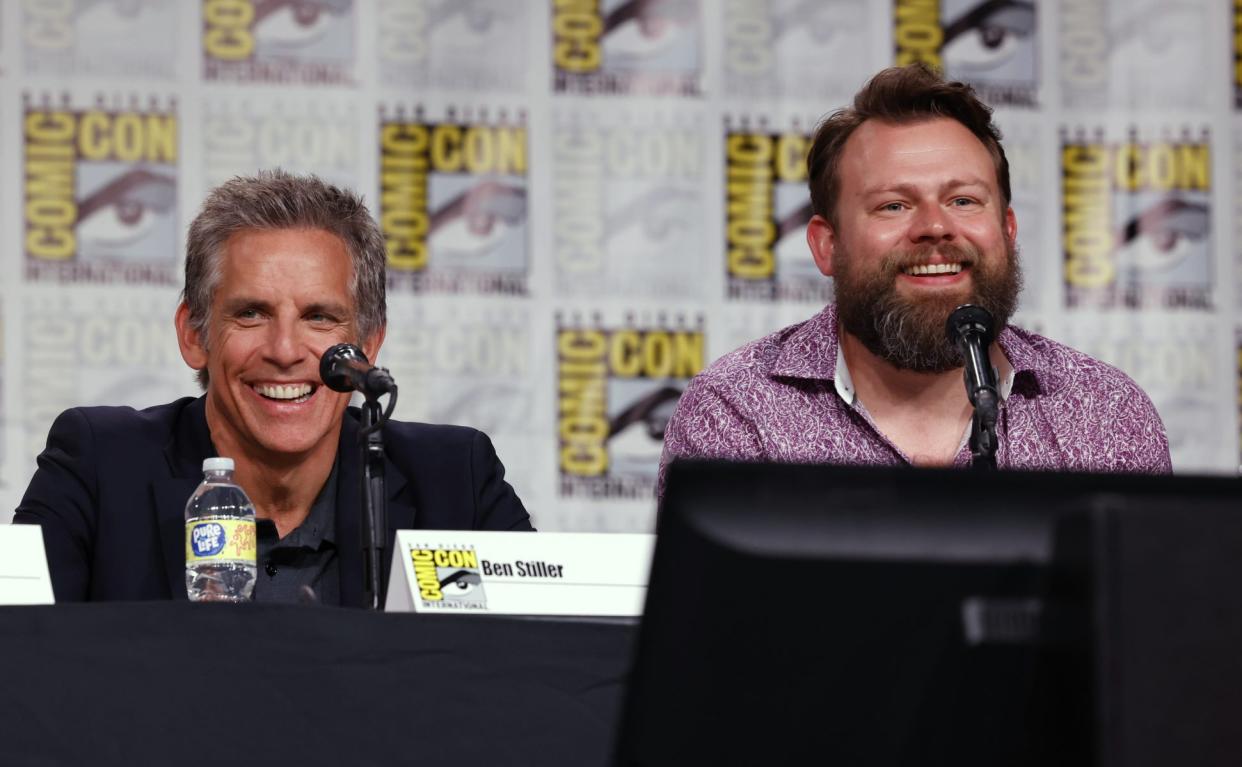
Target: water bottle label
[{"x": 218, "y": 540}]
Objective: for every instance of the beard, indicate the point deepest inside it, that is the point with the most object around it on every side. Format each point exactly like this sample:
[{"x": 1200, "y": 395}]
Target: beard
[{"x": 910, "y": 333}]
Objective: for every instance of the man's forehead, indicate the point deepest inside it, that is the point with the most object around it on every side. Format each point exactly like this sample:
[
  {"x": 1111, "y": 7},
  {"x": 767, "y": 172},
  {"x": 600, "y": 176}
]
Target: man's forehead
[
  {"x": 935, "y": 142},
  {"x": 912, "y": 134},
  {"x": 303, "y": 256}
]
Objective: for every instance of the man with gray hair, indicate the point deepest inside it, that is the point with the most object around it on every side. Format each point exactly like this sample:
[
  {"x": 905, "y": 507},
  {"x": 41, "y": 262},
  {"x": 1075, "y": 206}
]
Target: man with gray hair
[{"x": 278, "y": 269}]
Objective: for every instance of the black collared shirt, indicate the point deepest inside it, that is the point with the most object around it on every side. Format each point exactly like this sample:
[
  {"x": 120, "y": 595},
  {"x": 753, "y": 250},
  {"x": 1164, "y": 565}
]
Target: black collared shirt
[{"x": 302, "y": 567}]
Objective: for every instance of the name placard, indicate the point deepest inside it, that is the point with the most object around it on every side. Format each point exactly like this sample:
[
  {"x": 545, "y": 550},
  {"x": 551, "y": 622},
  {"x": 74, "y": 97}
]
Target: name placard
[
  {"x": 577, "y": 574},
  {"x": 24, "y": 577}
]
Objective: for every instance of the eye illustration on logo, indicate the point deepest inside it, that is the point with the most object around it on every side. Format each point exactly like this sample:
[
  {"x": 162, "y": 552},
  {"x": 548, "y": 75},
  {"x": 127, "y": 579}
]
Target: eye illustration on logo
[
  {"x": 478, "y": 220},
  {"x": 1164, "y": 235},
  {"x": 652, "y": 411},
  {"x": 126, "y": 209},
  {"x": 491, "y": 408},
  {"x": 639, "y": 29},
  {"x": 295, "y": 23},
  {"x": 650, "y": 218},
  {"x": 792, "y": 255},
  {"x": 1156, "y": 53},
  {"x": 989, "y": 34},
  {"x": 91, "y": 10},
  {"x": 460, "y": 584},
  {"x": 1160, "y": 28},
  {"x": 475, "y": 16},
  {"x": 821, "y": 22}
]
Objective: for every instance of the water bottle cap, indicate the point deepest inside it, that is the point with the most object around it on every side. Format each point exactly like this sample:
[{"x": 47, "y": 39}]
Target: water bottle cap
[{"x": 217, "y": 464}]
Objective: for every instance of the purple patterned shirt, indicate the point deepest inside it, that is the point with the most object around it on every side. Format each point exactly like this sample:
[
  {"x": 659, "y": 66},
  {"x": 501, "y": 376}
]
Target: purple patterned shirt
[{"x": 776, "y": 399}]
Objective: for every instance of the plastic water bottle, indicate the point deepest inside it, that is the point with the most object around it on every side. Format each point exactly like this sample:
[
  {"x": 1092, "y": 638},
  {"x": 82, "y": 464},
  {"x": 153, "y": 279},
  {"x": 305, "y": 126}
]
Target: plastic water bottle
[{"x": 219, "y": 538}]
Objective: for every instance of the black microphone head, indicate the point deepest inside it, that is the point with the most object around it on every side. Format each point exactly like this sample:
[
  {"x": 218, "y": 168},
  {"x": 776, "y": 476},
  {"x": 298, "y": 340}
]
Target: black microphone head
[
  {"x": 332, "y": 378},
  {"x": 969, "y": 318}
]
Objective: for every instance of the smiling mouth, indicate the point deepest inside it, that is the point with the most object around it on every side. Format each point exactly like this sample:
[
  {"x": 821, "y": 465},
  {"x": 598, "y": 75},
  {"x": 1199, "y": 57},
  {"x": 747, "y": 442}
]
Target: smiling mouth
[
  {"x": 295, "y": 393},
  {"x": 923, "y": 270}
]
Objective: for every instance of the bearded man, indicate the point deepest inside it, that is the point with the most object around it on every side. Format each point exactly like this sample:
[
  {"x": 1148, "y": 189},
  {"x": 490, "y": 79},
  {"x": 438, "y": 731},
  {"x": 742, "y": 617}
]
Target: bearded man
[{"x": 910, "y": 189}]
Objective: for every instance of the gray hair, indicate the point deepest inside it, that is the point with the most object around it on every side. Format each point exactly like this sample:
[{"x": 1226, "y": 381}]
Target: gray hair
[{"x": 275, "y": 199}]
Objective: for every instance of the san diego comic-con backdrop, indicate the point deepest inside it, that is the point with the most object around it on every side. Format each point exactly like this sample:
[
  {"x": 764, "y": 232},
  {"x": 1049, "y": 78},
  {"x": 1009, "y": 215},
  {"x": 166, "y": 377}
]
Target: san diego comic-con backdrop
[{"x": 587, "y": 201}]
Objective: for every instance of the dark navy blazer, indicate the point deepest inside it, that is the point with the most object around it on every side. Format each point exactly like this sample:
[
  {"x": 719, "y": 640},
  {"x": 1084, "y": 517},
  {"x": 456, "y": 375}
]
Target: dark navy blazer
[{"x": 111, "y": 488}]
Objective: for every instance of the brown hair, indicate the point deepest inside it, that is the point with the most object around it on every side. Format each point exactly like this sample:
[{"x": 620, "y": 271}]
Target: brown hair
[{"x": 899, "y": 95}]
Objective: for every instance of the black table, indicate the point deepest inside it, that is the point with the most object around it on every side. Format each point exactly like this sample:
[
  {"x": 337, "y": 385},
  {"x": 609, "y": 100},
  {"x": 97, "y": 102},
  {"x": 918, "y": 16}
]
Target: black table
[{"x": 178, "y": 683}]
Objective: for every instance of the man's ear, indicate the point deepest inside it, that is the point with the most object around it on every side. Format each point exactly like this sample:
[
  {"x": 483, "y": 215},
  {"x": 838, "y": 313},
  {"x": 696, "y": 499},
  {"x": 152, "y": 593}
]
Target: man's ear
[
  {"x": 193, "y": 350},
  {"x": 1011, "y": 225},
  {"x": 822, "y": 240},
  {"x": 371, "y": 346}
]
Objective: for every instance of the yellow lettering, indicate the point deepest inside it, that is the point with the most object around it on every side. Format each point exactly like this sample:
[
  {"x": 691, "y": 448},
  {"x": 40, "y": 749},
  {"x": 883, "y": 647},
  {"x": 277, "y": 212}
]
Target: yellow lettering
[{"x": 228, "y": 35}]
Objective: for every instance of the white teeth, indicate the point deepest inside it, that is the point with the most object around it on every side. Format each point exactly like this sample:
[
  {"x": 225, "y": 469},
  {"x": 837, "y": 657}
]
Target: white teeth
[
  {"x": 934, "y": 269},
  {"x": 283, "y": 391}
]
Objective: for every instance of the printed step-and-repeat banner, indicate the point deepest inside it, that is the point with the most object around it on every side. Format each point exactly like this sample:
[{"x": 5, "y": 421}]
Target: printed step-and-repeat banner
[{"x": 587, "y": 201}]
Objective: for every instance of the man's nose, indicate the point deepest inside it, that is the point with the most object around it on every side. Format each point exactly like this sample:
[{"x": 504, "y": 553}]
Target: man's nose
[
  {"x": 931, "y": 223},
  {"x": 285, "y": 346}
]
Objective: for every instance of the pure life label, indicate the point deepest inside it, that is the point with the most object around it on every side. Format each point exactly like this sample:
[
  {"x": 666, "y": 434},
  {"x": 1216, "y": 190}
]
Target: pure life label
[
  {"x": 207, "y": 539},
  {"x": 220, "y": 540}
]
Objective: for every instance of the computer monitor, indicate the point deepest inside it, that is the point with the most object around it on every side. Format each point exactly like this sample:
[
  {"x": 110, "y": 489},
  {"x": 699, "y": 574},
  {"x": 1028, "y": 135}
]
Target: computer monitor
[{"x": 865, "y": 615}]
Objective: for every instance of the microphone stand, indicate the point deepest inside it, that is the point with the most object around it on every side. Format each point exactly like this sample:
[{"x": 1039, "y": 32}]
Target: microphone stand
[
  {"x": 374, "y": 501},
  {"x": 983, "y": 430}
]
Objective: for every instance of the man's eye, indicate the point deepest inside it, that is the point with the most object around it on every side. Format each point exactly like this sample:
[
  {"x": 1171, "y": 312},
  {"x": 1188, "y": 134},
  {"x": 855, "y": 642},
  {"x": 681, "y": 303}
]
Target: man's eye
[
  {"x": 248, "y": 314},
  {"x": 892, "y": 207},
  {"x": 963, "y": 202}
]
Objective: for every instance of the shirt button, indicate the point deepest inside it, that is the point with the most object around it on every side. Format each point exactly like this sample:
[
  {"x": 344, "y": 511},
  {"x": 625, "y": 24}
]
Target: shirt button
[{"x": 271, "y": 569}]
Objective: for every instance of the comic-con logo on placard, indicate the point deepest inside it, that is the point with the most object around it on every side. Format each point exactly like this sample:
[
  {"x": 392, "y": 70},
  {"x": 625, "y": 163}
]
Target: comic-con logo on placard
[
  {"x": 1119, "y": 53},
  {"x": 454, "y": 45},
  {"x": 448, "y": 579},
  {"x": 453, "y": 205},
  {"x": 991, "y": 45},
  {"x": 616, "y": 390},
  {"x": 767, "y": 207},
  {"x": 779, "y": 50},
  {"x": 649, "y": 47},
  {"x": 627, "y": 203},
  {"x": 96, "y": 38},
  {"x": 1136, "y": 219},
  {"x": 100, "y": 191},
  {"x": 278, "y": 41}
]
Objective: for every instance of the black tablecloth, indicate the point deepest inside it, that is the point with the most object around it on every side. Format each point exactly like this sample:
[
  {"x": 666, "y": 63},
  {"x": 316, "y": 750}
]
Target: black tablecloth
[{"x": 177, "y": 683}]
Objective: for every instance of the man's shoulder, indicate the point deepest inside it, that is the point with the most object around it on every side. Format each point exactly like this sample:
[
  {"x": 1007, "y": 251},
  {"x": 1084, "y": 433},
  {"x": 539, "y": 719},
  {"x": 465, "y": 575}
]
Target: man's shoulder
[
  {"x": 418, "y": 433},
  {"x": 1067, "y": 373},
  {"x": 127, "y": 422},
  {"x": 414, "y": 443},
  {"x": 754, "y": 360}
]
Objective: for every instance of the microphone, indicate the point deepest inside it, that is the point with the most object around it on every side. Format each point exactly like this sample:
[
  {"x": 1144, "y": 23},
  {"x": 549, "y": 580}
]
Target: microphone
[
  {"x": 345, "y": 368},
  {"x": 970, "y": 330}
]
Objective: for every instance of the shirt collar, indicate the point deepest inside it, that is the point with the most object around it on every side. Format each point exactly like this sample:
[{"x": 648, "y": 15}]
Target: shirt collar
[
  {"x": 812, "y": 351},
  {"x": 845, "y": 385},
  {"x": 319, "y": 527}
]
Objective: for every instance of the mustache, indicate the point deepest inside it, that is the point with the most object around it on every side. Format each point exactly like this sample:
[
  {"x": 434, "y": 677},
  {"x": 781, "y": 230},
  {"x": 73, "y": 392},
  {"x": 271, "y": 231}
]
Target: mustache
[{"x": 953, "y": 253}]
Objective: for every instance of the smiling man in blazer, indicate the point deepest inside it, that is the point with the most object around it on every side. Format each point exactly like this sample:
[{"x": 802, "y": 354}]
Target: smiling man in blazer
[{"x": 278, "y": 269}]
